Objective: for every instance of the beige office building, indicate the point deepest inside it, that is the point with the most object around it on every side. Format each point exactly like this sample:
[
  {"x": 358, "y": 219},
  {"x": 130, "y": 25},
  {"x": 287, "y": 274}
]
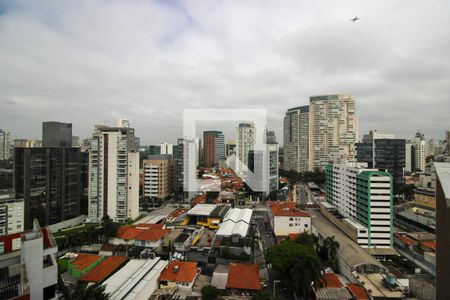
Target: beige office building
[
  {"x": 159, "y": 176},
  {"x": 296, "y": 139},
  {"x": 333, "y": 129}
]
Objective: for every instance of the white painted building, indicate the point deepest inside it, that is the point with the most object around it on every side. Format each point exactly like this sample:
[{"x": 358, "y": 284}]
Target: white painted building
[
  {"x": 113, "y": 174},
  {"x": 286, "y": 219},
  {"x": 363, "y": 196},
  {"x": 5, "y": 148},
  {"x": 11, "y": 213},
  {"x": 246, "y": 138},
  {"x": 420, "y": 152}
]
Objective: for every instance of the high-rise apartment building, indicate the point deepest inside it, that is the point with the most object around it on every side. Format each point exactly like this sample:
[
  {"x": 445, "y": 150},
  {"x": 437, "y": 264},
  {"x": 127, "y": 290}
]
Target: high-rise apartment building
[
  {"x": 48, "y": 179},
  {"x": 447, "y": 138},
  {"x": 384, "y": 152},
  {"x": 420, "y": 152},
  {"x": 166, "y": 148},
  {"x": 11, "y": 213},
  {"x": 409, "y": 160},
  {"x": 113, "y": 173},
  {"x": 296, "y": 139},
  {"x": 213, "y": 147},
  {"x": 56, "y": 134},
  {"x": 5, "y": 148},
  {"x": 442, "y": 171},
  {"x": 333, "y": 129},
  {"x": 246, "y": 138},
  {"x": 364, "y": 196},
  {"x": 230, "y": 149},
  {"x": 159, "y": 176}
]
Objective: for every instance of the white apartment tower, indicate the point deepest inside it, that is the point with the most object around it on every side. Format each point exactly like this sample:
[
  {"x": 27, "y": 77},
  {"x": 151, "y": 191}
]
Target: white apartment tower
[
  {"x": 420, "y": 152},
  {"x": 113, "y": 173},
  {"x": 333, "y": 129},
  {"x": 296, "y": 139},
  {"x": 246, "y": 138},
  {"x": 5, "y": 149},
  {"x": 364, "y": 198}
]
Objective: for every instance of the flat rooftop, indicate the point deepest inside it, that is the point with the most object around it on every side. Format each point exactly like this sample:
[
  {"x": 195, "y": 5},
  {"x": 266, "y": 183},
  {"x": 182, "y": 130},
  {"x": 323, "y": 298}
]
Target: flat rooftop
[{"x": 202, "y": 210}]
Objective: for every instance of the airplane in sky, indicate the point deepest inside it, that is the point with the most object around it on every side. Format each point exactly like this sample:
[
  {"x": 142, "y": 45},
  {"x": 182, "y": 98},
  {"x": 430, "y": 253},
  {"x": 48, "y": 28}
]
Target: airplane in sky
[{"x": 354, "y": 19}]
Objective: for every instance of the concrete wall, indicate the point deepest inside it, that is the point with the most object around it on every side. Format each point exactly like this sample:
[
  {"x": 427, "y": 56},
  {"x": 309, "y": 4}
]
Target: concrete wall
[{"x": 68, "y": 223}]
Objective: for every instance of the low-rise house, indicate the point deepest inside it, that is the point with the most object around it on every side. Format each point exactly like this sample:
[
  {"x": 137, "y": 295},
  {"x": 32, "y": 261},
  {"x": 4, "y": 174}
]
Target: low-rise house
[
  {"x": 181, "y": 274},
  {"x": 332, "y": 288},
  {"x": 285, "y": 218},
  {"x": 182, "y": 242},
  {"x": 237, "y": 278},
  {"x": 104, "y": 269},
  {"x": 145, "y": 235}
]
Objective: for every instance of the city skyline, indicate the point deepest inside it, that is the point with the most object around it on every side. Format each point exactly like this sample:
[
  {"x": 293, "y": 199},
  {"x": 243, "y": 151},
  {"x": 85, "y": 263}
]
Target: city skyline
[{"x": 157, "y": 58}]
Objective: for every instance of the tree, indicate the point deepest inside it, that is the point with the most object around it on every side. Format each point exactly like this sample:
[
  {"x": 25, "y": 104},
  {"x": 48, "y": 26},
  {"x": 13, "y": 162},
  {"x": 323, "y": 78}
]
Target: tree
[
  {"x": 331, "y": 246},
  {"x": 298, "y": 263},
  {"x": 84, "y": 292},
  {"x": 209, "y": 292}
]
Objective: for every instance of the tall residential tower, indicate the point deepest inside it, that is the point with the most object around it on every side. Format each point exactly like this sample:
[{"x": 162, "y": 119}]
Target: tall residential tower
[{"x": 296, "y": 139}]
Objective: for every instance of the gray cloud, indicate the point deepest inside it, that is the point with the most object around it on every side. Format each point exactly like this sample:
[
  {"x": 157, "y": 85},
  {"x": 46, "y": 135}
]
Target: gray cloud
[{"x": 88, "y": 62}]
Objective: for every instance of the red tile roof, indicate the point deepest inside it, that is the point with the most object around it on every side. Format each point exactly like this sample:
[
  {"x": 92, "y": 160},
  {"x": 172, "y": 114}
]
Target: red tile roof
[
  {"x": 152, "y": 235},
  {"x": 147, "y": 226},
  {"x": 358, "y": 291},
  {"x": 200, "y": 199},
  {"x": 429, "y": 244},
  {"x": 104, "y": 269},
  {"x": 331, "y": 280},
  {"x": 293, "y": 236},
  {"x": 84, "y": 260},
  {"x": 187, "y": 270},
  {"x": 177, "y": 212},
  {"x": 243, "y": 276},
  {"x": 407, "y": 240},
  {"x": 286, "y": 209}
]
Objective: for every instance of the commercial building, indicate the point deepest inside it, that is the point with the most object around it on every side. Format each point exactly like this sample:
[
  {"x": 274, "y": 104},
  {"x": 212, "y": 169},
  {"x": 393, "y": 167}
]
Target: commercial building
[
  {"x": 286, "y": 219},
  {"x": 5, "y": 148},
  {"x": 213, "y": 148},
  {"x": 296, "y": 139},
  {"x": 11, "y": 213},
  {"x": 24, "y": 143},
  {"x": 136, "y": 280},
  {"x": 384, "y": 152},
  {"x": 364, "y": 197},
  {"x": 420, "y": 152},
  {"x": 48, "y": 180},
  {"x": 57, "y": 134},
  {"x": 333, "y": 129},
  {"x": 208, "y": 215},
  {"x": 114, "y": 174},
  {"x": 246, "y": 139},
  {"x": 235, "y": 223},
  {"x": 159, "y": 176},
  {"x": 442, "y": 229}
]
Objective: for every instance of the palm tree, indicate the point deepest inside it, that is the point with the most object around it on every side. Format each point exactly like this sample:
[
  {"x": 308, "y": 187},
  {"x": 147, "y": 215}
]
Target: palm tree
[{"x": 331, "y": 246}]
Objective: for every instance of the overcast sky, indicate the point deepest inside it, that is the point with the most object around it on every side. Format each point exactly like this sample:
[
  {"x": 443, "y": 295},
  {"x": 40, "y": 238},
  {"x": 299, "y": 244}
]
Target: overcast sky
[{"x": 88, "y": 62}]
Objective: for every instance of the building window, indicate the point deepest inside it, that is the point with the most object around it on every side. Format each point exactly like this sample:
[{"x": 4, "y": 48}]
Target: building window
[{"x": 290, "y": 224}]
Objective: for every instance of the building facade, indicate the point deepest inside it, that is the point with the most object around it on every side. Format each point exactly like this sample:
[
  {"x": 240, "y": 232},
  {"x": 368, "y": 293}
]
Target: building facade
[
  {"x": 48, "y": 180},
  {"x": 5, "y": 149},
  {"x": 333, "y": 129},
  {"x": 56, "y": 134},
  {"x": 246, "y": 138},
  {"x": 296, "y": 139},
  {"x": 114, "y": 174},
  {"x": 213, "y": 148},
  {"x": 364, "y": 196},
  {"x": 11, "y": 213},
  {"x": 420, "y": 152},
  {"x": 384, "y": 152},
  {"x": 159, "y": 176},
  {"x": 286, "y": 219}
]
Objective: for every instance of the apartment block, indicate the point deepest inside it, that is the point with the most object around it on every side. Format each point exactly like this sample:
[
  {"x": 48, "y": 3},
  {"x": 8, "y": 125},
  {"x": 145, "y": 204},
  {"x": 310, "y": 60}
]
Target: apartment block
[
  {"x": 363, "y": 196},
  {"x": 4, "y": 145},
  {"x": 246, "y": 139},
  {"x": 11, "y": 212},
  {"x": 296, "y": 139},
  {"x": 113, "y": 187},
  {"x": 159, "y": 176},
  {"x": 333, "y": 129},
  {"x": 213, "y": 148}
]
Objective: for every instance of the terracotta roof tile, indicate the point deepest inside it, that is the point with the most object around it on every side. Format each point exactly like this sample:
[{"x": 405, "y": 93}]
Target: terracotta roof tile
[
  {"x": 429, "y": 244},
  {"x": 243, "y": 276},
  {"x": 152, "y": 235},
  {"x": 104, "y": 269},
  {"x": 180, "y": 271},
  {"x": 286, "y": 209},
  {"x": 358, "y": 291},
  {"x": 331, "y": 280},
  {"x": 84, "y": 260}
]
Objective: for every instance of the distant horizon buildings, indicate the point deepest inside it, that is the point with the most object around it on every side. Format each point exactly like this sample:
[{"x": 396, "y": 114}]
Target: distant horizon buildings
[
  {"x": 325, "y": 130},
  {"x": 420, "y": 152},
  {"x": 56, "y": 134},
  {"x": 246, "y": 139},
  {"x": 113, "y": 188}
]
